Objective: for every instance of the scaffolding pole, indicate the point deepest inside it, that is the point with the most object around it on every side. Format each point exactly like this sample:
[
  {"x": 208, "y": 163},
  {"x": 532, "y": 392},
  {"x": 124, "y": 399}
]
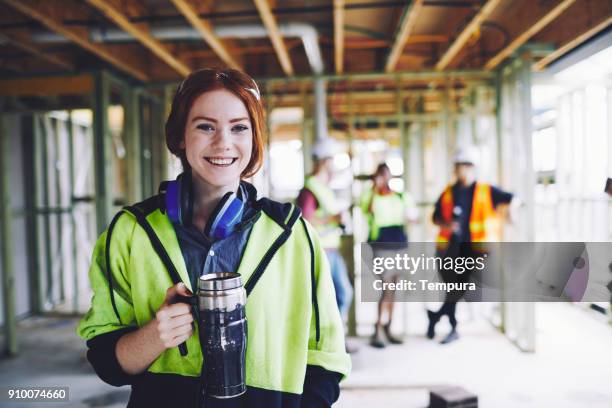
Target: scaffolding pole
[
  {"x": 350, "y": 256},
  {"x": 58, "y": 203},
  {"x": 8, "y": 272},
  {"x": 133, "y": 145},
  {"x": 73, "y": 223},
  {"x": 102, "y": 151},
  {"x": 43, "y": 152},
  {"x": 31, "y": 169}
]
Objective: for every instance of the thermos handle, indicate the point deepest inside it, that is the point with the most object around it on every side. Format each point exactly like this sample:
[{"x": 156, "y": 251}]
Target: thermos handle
[{"x": 190, "y": 300}]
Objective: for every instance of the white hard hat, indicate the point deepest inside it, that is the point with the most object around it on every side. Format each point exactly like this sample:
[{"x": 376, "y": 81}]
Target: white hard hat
[
  {"x": 466, "y": 154},
  {"x": 324, "y": 148}
]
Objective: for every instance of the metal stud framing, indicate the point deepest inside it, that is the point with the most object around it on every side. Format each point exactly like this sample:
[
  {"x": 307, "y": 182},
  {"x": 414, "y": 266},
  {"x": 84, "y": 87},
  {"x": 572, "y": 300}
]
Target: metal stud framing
[{"x": 8, "y": 272}]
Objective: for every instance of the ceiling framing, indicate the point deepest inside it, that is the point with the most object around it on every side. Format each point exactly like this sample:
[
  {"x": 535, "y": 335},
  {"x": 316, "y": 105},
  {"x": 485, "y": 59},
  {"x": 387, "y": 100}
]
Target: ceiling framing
[{"x": 42, "y": 37}]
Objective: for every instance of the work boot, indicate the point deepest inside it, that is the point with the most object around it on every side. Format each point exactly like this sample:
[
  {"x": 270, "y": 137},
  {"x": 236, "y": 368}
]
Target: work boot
[
  {"x": 450, "y": 337},
  {"x": 351, "y": 348},
  {"x": 392, "y": 339},
  {"x": 377, "y": 339},
  {"x": 431, "y": 329}
]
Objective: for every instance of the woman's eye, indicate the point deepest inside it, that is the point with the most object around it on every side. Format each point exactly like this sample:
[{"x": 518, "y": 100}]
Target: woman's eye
[
  {"x": 239, "y": 128},
  {"x": 205, "y": 127}
]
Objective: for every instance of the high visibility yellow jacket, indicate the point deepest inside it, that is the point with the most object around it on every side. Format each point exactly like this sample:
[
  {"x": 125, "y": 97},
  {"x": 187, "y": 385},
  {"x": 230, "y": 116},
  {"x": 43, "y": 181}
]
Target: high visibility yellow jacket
[
  {"x": 330, "y": 232},
  {"x": 384, "y": 210},
  {"x": 295, "y": 334}
]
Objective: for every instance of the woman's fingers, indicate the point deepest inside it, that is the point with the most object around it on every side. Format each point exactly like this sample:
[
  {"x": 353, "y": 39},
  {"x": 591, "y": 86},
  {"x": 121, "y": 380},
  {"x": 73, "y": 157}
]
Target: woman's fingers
[
  {"x": 180, "y": 289},
  {"x": 178, "y": 340},
  {"x": 183, "y": 330},
  {"x": 170, "y": 311},
  {"x": 174, "y": 337},
  {"x": 174, "y": 323},
  {"x": 179, "y": 321},
  {"x": 169, "y": 318}
]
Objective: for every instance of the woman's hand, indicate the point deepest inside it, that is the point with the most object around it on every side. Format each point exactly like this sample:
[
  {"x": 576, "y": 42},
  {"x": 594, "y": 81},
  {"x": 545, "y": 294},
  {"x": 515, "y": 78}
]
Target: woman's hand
[
  {"x": 174, "y": 320},
  {"x": 171, "y": 326}
]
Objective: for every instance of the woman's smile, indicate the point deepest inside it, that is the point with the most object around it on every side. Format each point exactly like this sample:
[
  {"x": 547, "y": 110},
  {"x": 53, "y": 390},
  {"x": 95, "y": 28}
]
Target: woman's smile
[{"x": 221, "y": 161}]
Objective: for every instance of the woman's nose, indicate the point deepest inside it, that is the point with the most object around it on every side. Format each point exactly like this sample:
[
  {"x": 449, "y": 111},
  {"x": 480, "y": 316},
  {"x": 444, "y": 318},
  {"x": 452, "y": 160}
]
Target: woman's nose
[{"x": 222, "y": 138}]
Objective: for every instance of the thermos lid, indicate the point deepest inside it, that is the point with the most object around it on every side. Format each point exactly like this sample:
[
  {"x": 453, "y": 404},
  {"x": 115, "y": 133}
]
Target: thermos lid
[{"x": 220, "y": 281}]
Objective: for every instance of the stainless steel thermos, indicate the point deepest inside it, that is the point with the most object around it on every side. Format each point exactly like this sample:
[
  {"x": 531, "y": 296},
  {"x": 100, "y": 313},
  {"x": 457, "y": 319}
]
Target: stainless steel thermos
[{"x": 223, "y": 333}]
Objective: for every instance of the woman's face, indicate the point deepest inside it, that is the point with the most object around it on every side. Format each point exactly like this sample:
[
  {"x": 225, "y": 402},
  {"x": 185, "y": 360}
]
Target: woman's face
[
  {"x": 382, "y": 178},
  {"x": 218, "y": 138}
]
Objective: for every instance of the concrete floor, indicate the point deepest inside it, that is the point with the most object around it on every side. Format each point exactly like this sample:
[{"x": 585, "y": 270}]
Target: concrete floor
[{"x": 571, "y": 368}]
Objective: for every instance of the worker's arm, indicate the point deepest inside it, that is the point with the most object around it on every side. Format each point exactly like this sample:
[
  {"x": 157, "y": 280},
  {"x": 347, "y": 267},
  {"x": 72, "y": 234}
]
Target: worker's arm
[
  {"x": 308, "y": 204},
  {"x": 117, "y": 348},
  {"x": 327, "y": 359},
  {"x": 172, "y": 326},
  {"x": 505, "y": 203}
]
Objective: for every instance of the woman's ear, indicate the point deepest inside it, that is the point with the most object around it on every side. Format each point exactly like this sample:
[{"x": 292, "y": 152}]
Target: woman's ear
[{"x": 182, "y": 144}]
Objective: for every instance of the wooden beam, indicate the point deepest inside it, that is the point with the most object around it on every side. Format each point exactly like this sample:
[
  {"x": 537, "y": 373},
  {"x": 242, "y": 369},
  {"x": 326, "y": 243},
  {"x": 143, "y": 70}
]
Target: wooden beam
[
  {"x": 47, "y": 86},
  {"x": 467, "y": 32},
  {"x": 257, "y": 49},
  {"x": 112, "y": 10},
  {"x": 265, "y": 12},
  {"x": 406, "y": 26},
  {"x": 339, "y": 35},
  {"x": 356, "y": 43},
  {"x": 570, "y": 45},
  {"x": 21, "y": 41},
  {"x": 529, "y": 33},
  {"x": 206, "y": 31},
  {"x": 50, "y": 15}
]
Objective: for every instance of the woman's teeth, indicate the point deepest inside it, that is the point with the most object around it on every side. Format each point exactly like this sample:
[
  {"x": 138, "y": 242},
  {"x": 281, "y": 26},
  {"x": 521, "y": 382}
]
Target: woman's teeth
[{"x": 220, "y": 162}]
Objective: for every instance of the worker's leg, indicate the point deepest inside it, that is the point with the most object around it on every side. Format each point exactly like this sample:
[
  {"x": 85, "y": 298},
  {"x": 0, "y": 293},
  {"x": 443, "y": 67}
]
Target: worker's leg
[{"x": 342, "y": 284}]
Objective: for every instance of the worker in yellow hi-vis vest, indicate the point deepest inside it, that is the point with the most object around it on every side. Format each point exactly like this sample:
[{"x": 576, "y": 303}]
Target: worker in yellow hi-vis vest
[
  {"x": 387, "y": 211},
  {"x": 466, "y": 212},
  {"x": 319, "y": 206}
]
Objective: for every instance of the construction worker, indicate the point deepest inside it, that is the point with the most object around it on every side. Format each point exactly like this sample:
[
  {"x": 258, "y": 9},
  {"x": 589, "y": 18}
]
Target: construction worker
[
  {"x": 386, "y": 211},
  {"x": 147, "y": 258},
  {"x": 467, "y": 213},
  {"x": 319, "y": 207}
]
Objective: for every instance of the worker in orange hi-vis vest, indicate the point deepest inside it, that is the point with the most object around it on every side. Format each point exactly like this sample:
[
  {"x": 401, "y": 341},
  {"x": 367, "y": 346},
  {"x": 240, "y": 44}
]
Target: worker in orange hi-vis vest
[{"x": 466, "y": 212}]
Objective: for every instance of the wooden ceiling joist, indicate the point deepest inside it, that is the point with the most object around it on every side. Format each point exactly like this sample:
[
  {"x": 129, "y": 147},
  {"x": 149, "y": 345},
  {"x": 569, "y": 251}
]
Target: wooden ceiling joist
[
  {"x": 265, "y": 12},
  {"x": 206, "y": 31},
  {"x": 112, "y": 10},
  {"x": 21, "y": 41},
  {"x": 47, "y": 86},
  {"x": 467, "y": 32},
  {"x": 406, "y": 26},
  {"x": 339, "y": 35},
  {"x": 570, "y": 45},
  {"x": 50, "y": 15},
  {"x": 529, "y": 33},
  {"x": 252, "y": 50}
]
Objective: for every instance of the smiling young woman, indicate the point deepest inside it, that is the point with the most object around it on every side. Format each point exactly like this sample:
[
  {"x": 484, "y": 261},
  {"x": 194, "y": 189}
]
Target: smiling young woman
[{"x": 295, "y": 355}]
